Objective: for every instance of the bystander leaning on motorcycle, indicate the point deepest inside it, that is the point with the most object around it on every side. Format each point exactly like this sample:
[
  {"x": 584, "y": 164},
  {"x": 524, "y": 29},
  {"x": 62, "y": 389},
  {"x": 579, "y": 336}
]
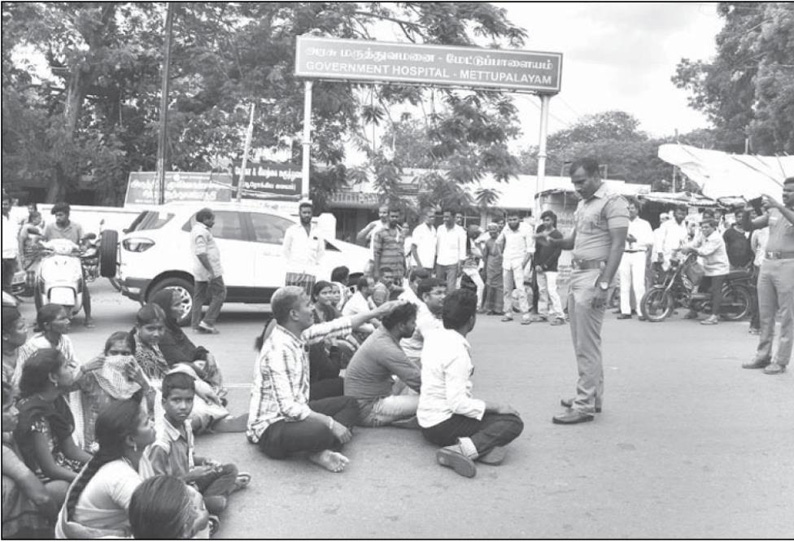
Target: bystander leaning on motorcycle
[
  {"x": 63, "y": 228},
  {"x": 710, "y": 246}
]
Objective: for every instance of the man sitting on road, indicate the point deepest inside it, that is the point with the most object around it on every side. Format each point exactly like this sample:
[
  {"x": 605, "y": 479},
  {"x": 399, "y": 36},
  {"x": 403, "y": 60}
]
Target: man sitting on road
[
  {"x": 428, "y": 317},
  {"x": 385, "y": 289},
  {"x": 360, "y": 303},
  {"x": 281, "y": 419},
  {"x": 468, "y": 429},
  {"x": 416, "y": 275},
  {"x": 369, "y": 375},
  {"x": 63, "y": 228}
]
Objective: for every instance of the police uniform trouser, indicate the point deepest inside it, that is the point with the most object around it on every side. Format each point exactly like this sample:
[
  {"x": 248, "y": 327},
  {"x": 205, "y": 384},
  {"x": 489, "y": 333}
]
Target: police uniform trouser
[{"x": 586, "y": 334}]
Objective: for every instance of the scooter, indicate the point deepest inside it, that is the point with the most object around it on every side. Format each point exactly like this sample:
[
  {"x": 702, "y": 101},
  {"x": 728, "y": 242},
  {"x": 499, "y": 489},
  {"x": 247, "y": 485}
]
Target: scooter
[{"x": 59, "y": 278}]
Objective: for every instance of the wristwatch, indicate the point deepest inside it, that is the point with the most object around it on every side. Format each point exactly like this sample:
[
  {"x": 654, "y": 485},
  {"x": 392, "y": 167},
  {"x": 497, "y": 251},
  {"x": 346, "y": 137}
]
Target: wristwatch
[{"x": 604, "y": 285}]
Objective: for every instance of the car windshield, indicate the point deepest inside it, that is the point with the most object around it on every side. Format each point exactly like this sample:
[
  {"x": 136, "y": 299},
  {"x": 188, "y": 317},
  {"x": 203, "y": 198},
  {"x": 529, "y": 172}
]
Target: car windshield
[{"x": 150, "y": 220}]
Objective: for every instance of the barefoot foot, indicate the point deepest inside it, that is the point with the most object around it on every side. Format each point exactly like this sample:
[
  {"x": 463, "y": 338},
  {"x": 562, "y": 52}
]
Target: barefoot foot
[{"x": 332, "y": 461}]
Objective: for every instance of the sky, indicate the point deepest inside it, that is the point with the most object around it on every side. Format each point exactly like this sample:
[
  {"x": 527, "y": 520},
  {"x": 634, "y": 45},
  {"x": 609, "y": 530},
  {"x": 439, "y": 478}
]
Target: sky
[{"x": 617, "y": 56}]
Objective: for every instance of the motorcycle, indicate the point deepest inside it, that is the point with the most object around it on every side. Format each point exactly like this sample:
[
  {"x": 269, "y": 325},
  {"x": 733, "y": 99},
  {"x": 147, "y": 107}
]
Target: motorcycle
[
  {"x": 59, "y": 277},
  {"x": 679, "y": 289}
]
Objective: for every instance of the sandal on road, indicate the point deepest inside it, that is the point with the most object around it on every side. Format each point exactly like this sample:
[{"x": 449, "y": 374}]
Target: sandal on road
[{"x": 243, "y": 479}]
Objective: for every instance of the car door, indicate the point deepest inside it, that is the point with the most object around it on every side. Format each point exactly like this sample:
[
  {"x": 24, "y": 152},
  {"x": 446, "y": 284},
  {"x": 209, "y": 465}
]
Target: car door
[
  {"x": 235, "y": 246},
  {"x": 268, "y": 233}
]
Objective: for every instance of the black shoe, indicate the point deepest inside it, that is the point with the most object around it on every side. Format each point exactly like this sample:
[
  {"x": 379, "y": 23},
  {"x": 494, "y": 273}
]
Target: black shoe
[{"x": 624, "y": 317}]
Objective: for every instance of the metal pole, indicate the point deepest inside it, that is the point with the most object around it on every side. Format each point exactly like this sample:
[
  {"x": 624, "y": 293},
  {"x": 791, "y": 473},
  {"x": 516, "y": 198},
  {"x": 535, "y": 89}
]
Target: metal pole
[
  {"x": 249, "y": 134},
  {"x": 162, "y": 140},
  {"x": 544, "y": 129},
  {"x": 307, "y": 135}
]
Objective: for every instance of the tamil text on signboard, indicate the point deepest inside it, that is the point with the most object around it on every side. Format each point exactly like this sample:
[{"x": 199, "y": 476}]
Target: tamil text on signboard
[
  {"x": 330, "y": 58},
  {"x": 270, "y": 180},
  {"x": 142, "y": 188}
]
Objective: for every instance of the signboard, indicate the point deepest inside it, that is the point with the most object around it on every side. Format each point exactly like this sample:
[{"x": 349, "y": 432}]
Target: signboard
[
  {"x": 142, "y": 187},
  {"x": 270, "y": 180},
  {"x": 359, "y": 60}
]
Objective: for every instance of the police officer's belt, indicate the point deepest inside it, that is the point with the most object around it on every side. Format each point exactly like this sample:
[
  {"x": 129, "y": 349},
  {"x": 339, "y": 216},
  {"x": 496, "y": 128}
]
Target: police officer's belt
[{"x": 586, "y": 264}]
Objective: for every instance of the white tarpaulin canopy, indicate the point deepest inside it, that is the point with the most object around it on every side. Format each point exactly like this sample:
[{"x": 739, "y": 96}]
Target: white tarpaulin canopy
[{"x": 720, "y": 174}]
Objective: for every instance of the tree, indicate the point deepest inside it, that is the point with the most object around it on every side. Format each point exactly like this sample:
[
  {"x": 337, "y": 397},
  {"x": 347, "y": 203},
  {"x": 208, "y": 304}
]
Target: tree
[
  {"x": 614, "y": 138},
  {"x": 748, "y": 89},
  {"x": 101, "y": 103}
]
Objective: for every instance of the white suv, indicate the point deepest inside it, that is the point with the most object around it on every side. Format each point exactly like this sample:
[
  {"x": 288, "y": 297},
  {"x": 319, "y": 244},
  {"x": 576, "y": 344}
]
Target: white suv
[{"x": 154, "y": 253}]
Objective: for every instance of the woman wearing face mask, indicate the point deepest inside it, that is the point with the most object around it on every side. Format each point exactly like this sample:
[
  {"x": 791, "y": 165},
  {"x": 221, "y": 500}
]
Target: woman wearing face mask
[
  {"x": 117, "y": 379},
  {"x": 98, "y": 500},
  {"x": 15, "y": 334},
  {"x": 46, "y": 424},
  {"x": 165, "y": 508},
  {"x": 29, "y": 506}
]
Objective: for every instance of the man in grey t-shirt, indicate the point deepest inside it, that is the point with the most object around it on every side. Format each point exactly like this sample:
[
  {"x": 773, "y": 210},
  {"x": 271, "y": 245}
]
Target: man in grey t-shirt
[{"x": 368, "y": 377}]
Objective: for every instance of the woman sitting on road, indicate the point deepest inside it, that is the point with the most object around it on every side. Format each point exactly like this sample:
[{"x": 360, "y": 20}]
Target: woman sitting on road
[
  {"x": 208, "y": 413},
  {"x": 15, "y": 334},
  {"x": 178, "y": 348},
  {"x": 117, "y": 379},
  {"x": 53, "y": 320},
  {"x": 29, "y": 505},
  {"x": 46, "y": 424},
  {"x": 165, "y": 508},
  {"x": 98, "y": 501}
]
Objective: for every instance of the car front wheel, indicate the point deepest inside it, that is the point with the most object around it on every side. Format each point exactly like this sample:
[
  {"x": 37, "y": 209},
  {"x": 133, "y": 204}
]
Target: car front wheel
[{"x": 183, "y": 289}]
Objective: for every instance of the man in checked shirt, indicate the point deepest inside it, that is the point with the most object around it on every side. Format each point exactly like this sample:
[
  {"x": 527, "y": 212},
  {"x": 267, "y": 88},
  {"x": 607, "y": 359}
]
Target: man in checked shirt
[{"x": 282, "y": 420}]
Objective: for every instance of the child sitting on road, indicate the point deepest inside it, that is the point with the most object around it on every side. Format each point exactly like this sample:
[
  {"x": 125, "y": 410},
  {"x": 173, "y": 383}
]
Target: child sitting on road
[{"x": 172, "y": 452}]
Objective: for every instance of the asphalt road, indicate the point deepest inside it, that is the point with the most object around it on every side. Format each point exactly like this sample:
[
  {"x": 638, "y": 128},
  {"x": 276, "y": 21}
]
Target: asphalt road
[{"x": 689, "y": 445}]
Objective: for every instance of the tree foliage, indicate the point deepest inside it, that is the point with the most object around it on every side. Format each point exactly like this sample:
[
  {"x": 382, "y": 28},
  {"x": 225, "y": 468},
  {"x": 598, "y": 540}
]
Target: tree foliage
[
  {"x": 747, "y": 90},
  {"x": 96, "y": 112}
]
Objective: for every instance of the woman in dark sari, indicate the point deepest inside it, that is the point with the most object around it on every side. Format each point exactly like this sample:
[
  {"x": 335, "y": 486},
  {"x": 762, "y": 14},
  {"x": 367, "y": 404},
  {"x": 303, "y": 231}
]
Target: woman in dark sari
[{"x": 177, "y": 347}]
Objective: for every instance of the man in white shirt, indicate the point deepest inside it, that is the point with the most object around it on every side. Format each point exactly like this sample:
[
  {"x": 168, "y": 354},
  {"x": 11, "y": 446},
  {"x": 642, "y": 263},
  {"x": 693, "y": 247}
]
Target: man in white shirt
[
  {"x": 431, "y": 292},
  {"x": 416, "y": 276},
  {"x": 450, "y": 250},
  {"x": 368, "y": 232},
  {"x": 673, "y": 236},
  {"x": 469, "y": 429},
  {"x": 361, "y": 302},
  {"x": 632, "y": 265},
  {"x": 710, "y": 247},
  {"x": 303, "y": 249},
  {"x": 517, "y": 247},
  {"x": 423, "y": 241},
  {"x": 10, "y": 245}
]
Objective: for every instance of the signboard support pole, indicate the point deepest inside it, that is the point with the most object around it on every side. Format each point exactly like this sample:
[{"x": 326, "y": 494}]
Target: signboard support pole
[
  {"x": 249, "y": 134},
  {"x": 544, "y": 129},
  {"x": 307, "y": 135},
  {"x": 162, "y": 140}
]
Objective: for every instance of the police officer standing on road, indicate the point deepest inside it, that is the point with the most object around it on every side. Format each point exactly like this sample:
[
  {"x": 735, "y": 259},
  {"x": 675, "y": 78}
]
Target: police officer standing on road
[
  {"x": 598, "y": 240},
  {"x": 776, "y": 282},
  {"x": 207, "y": 273}
]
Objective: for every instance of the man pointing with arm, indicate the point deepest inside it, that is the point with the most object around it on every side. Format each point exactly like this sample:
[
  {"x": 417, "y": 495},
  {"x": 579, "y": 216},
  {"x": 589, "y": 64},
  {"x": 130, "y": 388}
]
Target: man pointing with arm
[{"x": 598, "y": 240}]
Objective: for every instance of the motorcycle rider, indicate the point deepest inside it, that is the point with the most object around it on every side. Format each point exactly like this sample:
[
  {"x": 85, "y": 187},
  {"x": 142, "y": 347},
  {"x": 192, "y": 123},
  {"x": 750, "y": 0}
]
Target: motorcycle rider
[{"x": 63, "y": 228}]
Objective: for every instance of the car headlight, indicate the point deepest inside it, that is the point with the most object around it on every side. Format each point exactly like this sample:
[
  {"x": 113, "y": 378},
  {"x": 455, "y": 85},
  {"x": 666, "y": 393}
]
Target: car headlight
[{"x": 137, "y": 244}]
